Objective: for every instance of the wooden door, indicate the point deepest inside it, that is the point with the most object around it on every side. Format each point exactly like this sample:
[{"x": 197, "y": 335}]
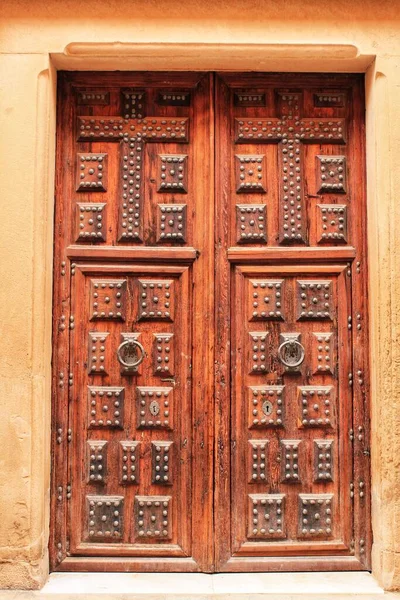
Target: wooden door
[
  {"x": 156, "y": 465},
  {"x": 292, "y": 450},
  {"x": 132, "y": 470}
]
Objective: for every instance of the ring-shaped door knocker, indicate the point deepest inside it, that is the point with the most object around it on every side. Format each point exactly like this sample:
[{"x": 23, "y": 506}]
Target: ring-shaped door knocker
[
  {"x": 130, "y": 344},
  {"x": 291, "y": 353}
]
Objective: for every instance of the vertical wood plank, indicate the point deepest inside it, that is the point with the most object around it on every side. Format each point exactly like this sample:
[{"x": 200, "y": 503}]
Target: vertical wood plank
[{"x": 222, "y": 439}]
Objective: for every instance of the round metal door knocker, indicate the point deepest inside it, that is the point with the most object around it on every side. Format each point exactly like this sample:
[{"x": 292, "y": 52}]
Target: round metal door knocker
[
  {"x": 291, "y": 353},
  {"x": 130, "y": 353}
]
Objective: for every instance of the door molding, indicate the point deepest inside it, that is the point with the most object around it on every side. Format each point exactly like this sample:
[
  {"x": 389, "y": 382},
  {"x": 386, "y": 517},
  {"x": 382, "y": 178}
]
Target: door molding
[
  {"x": 128, "y": 56},
  {"x": 64, "y": 326},
  {"x": 378, "y": 105}
]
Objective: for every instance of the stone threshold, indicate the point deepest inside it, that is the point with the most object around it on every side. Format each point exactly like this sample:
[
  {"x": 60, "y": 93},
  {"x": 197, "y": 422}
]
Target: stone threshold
[{"x": 197, "y": 586}]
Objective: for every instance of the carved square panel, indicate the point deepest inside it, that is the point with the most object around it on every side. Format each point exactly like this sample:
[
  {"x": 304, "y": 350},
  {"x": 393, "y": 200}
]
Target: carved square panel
[
  {"x": 97, "y": 460},
  {"x": 258, "y": 461},
  {"x": 251, "y": 223},
  {"x": 105, "y": 518},
  {"x": 91, "y": 172},
  {"x": 161, "y": 463},
  {"x": 154, "y": 407},
  {"x": 266, "y": 406},
  {"x": 98, "y": 356},
  {"x": 257, "y": 351},
  {"x": 323, "y": 460},
  {"x": 331, "y": 174},
  {"x": 266, "y": 516},
  {"x": 322, "y": 347},
  {"x": 316, "y": 404},
  {"x": 129, "y": 462},
  {"x": 107, "y": 299},
  {"x": 315, "y": 515},
  {"x": 314, "y": 300},
  {"x": 331, "y": 223},
  {"x": 106, "y": 407},
  {"x": 290, "y": 105},
  {"x": 133, "y": 104},
  {"x": 156, "y": 299},
  {"x": 250, "y": 173},
  {"x": 290, "y": 461},
  {"x": 99, "y": 98},
  {"x": 163, "y": 354},
  {"x": 153, "y": 517},
  {"x": 171, "y": 222},
  {"x": 265, "y": 299},
  {"x": 173, "y": 173},
  {"x": 91, "y": 223}
]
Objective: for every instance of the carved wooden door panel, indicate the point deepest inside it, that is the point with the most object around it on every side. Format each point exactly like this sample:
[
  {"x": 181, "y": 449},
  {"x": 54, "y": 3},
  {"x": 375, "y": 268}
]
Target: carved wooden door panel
[
  {"x": 132, "y": 470},
  {"x": 292, "y": 450}
]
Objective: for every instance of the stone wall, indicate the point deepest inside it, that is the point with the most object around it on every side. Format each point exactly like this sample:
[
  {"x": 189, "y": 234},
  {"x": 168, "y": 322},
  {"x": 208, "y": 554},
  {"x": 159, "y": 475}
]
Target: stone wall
[{"x": 39, "y": 37}]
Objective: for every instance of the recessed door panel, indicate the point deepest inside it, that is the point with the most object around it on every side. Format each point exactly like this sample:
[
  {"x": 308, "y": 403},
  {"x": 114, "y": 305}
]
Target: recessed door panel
[
  {"x": 290, "y": 411},
  {"x": 133, "y": 481}
]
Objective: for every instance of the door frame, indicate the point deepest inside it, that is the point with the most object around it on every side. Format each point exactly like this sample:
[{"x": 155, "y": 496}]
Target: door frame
[
  {"x": 378, "y": 129},
  {"x": 221, "y": 432}
]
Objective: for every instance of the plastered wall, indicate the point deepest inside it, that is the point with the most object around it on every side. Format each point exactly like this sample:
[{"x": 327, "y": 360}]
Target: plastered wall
[{"x": 36, "y": 38}]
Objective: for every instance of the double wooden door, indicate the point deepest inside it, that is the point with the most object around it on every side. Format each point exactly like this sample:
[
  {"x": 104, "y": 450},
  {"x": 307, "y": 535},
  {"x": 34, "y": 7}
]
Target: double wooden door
[{"x": 210, "y": 324}]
